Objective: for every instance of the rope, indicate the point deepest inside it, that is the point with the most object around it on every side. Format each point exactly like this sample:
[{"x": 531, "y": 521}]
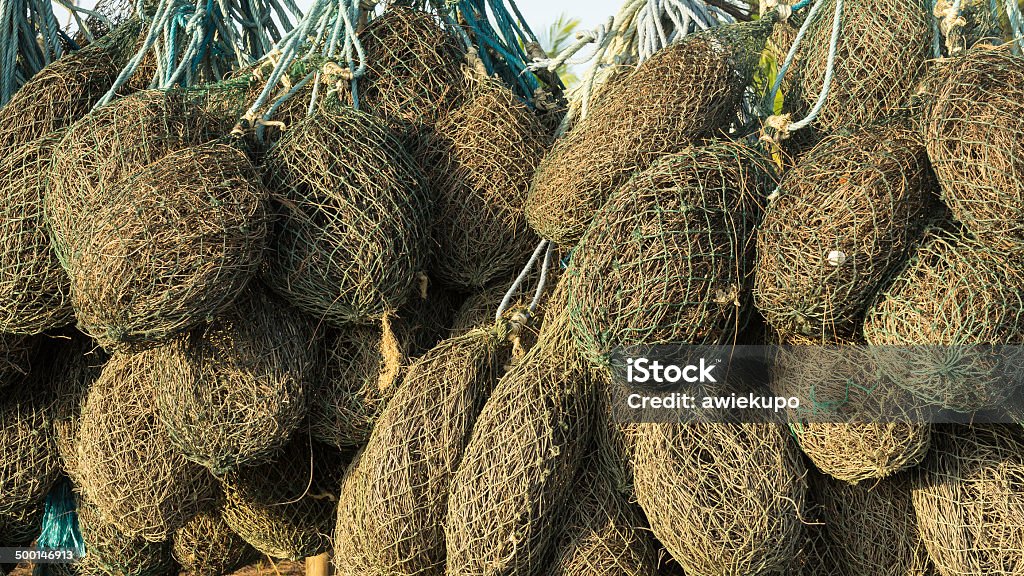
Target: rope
[
  {"x": 30, "y": 39},
  {"x": 951, "y": 24},
  {"x": 507, "y": 300}
]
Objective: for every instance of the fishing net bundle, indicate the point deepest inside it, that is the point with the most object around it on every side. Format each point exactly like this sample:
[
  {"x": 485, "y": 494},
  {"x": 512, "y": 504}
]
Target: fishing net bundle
[
  {"x": 883, "y": 48},
  {"x": 509, "y": 495},
  {"x": 286, "y": 508},
  {"x": 352, "y": 232},
  {"x": 205, "y": 546},
  {"x": 16, "y": 353},
  {"x": 868, "y": 529},
  {"x": 21, "y": 528},
  {"x": 722, "y": 498},
  {"x": 954, "y": 300},
  {"x": 683, "y": 94},
  {"x": 668, "y": 258},
  {"x": 29, "y": 462},
  {"x": 479, "y": 163},
  {"x": 394, "y": 496},
  {"x": 126, "y": 463},
  {"x": 111, "y": 552},
  {"x": 973, "y": 126},
  {"x": 968, "y": 500},
  {"x": 233, "y": 392},
  {"x": 843, "y": 222}
]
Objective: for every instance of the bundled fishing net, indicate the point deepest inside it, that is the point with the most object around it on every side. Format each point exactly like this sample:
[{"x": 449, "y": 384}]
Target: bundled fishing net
[
  {"x": 882, "y": 49},
  {"x": 286, "y": 508},
  {"x": 508, "y": 497},
  {"x": 207, "y": 547},
  {"x": 111, "y": 552},
  {"x": 843, "y": 222},
  {"x": 684, "y": 93},
  {"x": 722, "y": 499},
  {"x": 954, "y": 295},
  {"x": 868, "y": 529},
  {"x": 973, "y": 125},
  {"x": 231, "y": 393},
  {"x": 15, "y": 357},
  {"x": 968, "y": 502},
  {"x": 394, "y": 497},
  {"x": 668, "y": 258},
  {"x": 21, "y": 528},
  {"x": 29, "y": 463},
  {"x": 352, "y": 229},
  {"x": 479, "y": 164},
  {"x": 125, "y": 461},
  {"x": 169, "y": 246}
]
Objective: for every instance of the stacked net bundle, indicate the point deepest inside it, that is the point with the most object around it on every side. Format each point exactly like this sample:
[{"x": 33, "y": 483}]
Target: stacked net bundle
[
  {"x": 668, "y": 258},
  {"x": 286, "y": 508},
  {"x": 352, "y": 230},
  {"x": 394, "y": 497},
  {"x": 364, "y": 367},
  {"x": 683, "y": 94},
  {"x": 29, "y": 462},
  {"x": 15, "y": 357},
  {"x": 843, "y": 223},
  {"x": 973, "y": 124},
  {"x": 868, "y": 529},
  {"x": 207, "y": 547},
  {"x": 111, "y": 552},
  {"x": 126, "y": 463},
  {"x": 955, "y": 299},
  {"x": 883, "y": 49},
  {"x": 233, "y": 392},
  {"x": 34, "y": 289},
  {"x": 968, "y": 502},
  {"x": 723, "y": 499},
  {"x": 508, "y": 497},
  {"x": 165, "y": 248},
  {"x": 479, "y": 165}
]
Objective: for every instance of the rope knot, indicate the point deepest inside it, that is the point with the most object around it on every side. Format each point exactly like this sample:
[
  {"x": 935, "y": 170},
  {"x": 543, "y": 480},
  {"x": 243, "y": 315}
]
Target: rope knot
[{"x": 776, "y": 128}]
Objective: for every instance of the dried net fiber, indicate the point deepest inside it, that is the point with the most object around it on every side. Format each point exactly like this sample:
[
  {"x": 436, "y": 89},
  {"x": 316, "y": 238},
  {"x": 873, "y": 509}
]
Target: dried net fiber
[
  {"x": 508, "y": 497},
  {"x": 111, "y": 552},
  {"x": 73, "y": 363},
  {"x": 21, "y": 528},
  {"x": 207, "y": 547},
  {"x": 125, "y": 461},
  {"x": 29, "y": 462},
  {"x": 668, "y": 258},
  {"x": 233, "y": 392},
  {"x": 843, "y": 222},
  {"x": 286, "y": 508},
  {"x": 156, "y": 231},
  {"x": 604, "y": 534},
  {"x": 883, "y": 49},
  {"x": 34, "y": 289},
  {"x": 868, "y": 529},
  {"x": 684, "y": 93},
  {"x": 968, "y": 502},
  {"x": 723, "y": 499},
  {"x": 973, "y": 124},
  {"x": 16, "y": 353},
  {"x": 395, "y": 495},
  {"x": 858, "y": 427},
  {"x": 479, "y": 165},
  {"x": 954, "y": 294},
  {"x": 353, "y": 219}
]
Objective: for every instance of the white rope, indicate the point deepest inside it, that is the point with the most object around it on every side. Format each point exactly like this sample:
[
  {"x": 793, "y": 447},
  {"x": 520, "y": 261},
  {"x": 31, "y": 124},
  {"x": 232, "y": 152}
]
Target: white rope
[
  {"x": 507, "y": 300},
  {"x": 829, "y": 72}
]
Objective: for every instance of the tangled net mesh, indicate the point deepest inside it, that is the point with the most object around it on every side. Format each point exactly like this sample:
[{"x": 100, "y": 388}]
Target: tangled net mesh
[
  {"x": 205, "y": 546},
  {"x": 968, "y": 502},
  {"x": 352, "y": 228},
  {"x": 869, "y": 529},
  {"x": 21, "y": 528},
  {"x": 954, "y": 295},
  {"x": 668, "y": 258},
  {"x": 479, "y": 165},
  {"x": 683, "y": 94},
  {"x": 395, "y": 495},
  {"x": 286, "y": 508},
  {"x": 73, "y": 364},
  {"x": 882, "y": 51},
  {"x": 509, "y": 494},
  {"x": 29, "y": 462},
  {"x": 125, "y": 461},
  {"x": 722, "y": 498},
  {"x": 233, "y": 392},
  {"x": 973, "y": 125},
  {"x": 111, "y": 552},
  {"x": 844, "y": 221},
  {"x": 15, "y": 357}
]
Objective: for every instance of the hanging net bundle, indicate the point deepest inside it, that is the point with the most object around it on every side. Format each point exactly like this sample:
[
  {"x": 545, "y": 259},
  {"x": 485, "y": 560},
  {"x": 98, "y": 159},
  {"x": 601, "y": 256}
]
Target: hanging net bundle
[
  {"x": 395, "y": 495},
  {"x": 351, "y": 234},
  {"x": 111, "y": 552},
  {"x": 843, "y": 222},
  {"x": 683, "y": 94},
  {"x": 233, "y": 392},
  {"x": 668, "y": 258},
  {"x": 205, "y": 546}
]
